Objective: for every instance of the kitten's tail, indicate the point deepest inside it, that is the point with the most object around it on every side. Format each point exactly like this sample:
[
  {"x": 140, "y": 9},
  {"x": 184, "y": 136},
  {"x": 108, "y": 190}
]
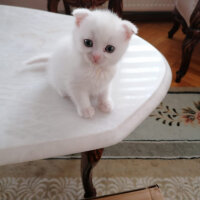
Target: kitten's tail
[
  {"x": 38, "y": 59},
  {"x": 38, "y": 63}
]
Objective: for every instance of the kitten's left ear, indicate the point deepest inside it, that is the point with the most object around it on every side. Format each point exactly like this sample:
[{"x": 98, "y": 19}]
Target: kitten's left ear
[
  {"x": 80, "y": 14},
  {"x": 129, "y": 28}
]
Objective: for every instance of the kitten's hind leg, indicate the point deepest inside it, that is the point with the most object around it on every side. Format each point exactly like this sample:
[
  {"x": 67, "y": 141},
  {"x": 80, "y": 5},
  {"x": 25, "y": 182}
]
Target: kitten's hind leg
[{"x": 83, "y": 104}]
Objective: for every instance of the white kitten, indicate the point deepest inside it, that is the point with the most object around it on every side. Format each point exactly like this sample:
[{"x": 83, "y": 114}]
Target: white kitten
[{"x": 84, "y": 64}]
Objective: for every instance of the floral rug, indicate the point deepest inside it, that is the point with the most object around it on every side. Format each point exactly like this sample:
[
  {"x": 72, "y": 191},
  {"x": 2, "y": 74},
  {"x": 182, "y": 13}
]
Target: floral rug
[
  {"x": 60, "y": 179},
  {"x": 177, "y": 118}
]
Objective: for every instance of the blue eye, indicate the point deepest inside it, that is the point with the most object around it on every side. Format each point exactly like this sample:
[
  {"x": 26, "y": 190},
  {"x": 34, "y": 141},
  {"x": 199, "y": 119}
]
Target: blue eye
[
  {"x": 109, "y": 49},
  {"x": 88, "y": 43}
]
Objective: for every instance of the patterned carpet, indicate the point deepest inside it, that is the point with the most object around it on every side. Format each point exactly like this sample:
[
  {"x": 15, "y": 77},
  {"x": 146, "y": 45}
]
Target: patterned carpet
[{"x": 60, "y": 179}]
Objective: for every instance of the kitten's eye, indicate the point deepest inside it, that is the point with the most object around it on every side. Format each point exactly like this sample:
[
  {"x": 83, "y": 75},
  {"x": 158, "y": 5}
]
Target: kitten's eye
[
  {"x": 88, "y": 43},
  {"x": 109, "y": 48}
]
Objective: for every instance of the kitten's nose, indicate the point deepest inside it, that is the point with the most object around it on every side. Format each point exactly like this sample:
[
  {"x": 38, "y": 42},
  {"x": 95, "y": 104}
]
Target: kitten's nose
[{"x": 96, "y": 57}]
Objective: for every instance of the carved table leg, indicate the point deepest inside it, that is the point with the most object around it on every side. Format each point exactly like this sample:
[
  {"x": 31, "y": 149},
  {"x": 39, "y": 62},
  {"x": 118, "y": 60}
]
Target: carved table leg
[{"x": 88, "y": 162}]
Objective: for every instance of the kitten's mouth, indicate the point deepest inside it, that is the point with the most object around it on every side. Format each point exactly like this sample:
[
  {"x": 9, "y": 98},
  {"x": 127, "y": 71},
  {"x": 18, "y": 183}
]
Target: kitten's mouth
[{"x": 95, "y": 62}]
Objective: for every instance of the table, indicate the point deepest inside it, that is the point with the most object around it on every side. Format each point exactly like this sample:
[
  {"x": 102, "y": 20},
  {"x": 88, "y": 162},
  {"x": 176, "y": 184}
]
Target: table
[{"x": 36, "y": 123}]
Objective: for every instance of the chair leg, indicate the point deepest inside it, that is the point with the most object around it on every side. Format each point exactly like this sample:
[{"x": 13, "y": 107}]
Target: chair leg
[
  {"x": 88, "y": 162},
  {"x": 67, "y": 7},
  {"x": 52, "y": 5},
  {"x": 176, "y": 24},
  {"x": 187, "y": 49},
  {"x": 116, "y": 6},
  {"x": 174, "y": 29}
]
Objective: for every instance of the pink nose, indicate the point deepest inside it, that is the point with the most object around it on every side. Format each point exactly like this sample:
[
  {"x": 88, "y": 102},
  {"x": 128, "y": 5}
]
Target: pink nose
[{"x": 96, "y": 57}]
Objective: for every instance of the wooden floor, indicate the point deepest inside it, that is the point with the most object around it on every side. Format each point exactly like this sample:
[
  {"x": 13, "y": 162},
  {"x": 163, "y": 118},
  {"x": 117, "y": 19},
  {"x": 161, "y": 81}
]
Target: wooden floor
[{"x": 156, "y": 34}]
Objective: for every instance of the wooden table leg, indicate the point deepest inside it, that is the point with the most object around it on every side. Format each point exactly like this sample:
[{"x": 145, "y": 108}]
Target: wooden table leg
[{"x": 88, "y": 162}]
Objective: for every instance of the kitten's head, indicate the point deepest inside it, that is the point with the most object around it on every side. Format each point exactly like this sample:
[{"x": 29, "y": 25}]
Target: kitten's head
[{"x": 101, "y": 36}]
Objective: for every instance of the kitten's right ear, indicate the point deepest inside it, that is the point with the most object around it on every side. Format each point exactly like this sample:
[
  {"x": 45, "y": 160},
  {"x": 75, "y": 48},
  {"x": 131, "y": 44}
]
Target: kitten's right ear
[
  {"x": 129, "y": 28},
  {"x": 80, "y": 14}
]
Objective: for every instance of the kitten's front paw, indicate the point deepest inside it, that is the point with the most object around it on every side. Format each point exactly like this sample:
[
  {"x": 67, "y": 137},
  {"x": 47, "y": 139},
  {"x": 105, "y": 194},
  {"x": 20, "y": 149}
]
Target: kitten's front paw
[
  {"x": 106, "y": 106},
  {"x": 87, "y": 112}
]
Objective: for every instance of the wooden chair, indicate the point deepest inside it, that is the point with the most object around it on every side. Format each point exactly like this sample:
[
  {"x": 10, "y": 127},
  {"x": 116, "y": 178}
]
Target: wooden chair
[
  {"x": 114, "y": 5},
  {"x": 187, "y": 14}
]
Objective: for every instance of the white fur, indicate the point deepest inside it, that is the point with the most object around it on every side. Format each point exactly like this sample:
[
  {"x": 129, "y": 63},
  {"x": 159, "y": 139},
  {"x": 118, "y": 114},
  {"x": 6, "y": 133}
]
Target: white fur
[{"x": 71, "y": 69}]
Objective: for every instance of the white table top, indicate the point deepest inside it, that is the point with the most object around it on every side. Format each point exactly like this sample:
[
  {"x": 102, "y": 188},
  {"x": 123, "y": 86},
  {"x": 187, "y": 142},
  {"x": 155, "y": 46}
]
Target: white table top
[{"x": 36, "y": 123}]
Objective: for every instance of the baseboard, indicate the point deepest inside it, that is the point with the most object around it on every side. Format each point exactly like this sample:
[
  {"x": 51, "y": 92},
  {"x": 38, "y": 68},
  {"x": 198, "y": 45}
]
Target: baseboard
[{"x": 156, "y": 16}]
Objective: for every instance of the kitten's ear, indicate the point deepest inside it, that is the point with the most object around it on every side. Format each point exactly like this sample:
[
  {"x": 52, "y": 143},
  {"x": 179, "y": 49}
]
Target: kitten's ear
[
  {"x": 129, "y": 28},
  {"x": 80, "y": 14}
]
